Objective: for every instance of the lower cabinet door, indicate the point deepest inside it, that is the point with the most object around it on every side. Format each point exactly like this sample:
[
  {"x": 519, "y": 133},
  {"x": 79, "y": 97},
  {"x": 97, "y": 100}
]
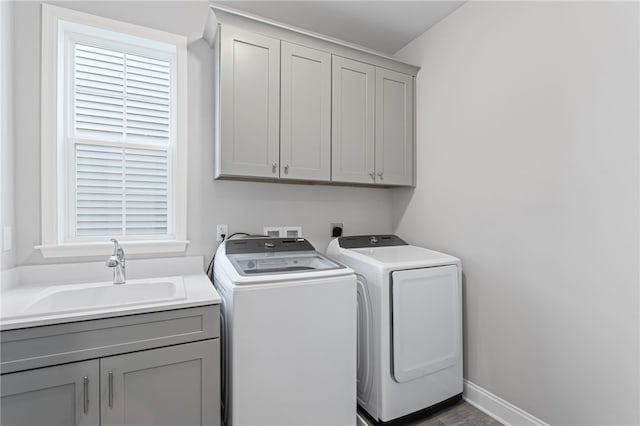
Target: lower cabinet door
[
  {"x": 61, "y": 395},
  {"x": 175, "y": 385}
]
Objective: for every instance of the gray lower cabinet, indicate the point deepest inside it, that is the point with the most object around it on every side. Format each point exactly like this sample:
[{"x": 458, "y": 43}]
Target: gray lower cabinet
[
  {"x": 144, "y": 370},
  {"x": 167, "y": 386},
  {"x": 54, "y": 396}
]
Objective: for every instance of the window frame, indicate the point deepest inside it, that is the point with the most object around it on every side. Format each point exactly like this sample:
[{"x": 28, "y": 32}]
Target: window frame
[{"x": 57, "y": 172}]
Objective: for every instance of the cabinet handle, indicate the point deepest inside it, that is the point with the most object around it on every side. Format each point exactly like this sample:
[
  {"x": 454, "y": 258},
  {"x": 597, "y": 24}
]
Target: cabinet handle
[
  {"x": 286, "y": 169},
  {"x": 380, "y": 176},
  {"x": 85, "y": 395},
  {"x": 373, "y": 176},
  {"x": 110, "y": 389},
  {"x": 274, "y": 167}
]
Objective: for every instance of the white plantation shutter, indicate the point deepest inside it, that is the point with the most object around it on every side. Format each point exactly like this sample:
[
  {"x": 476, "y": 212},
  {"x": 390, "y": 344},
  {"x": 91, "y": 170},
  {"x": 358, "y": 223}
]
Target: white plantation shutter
[
  {"x": 98, "y": 92},
  {"x": 120, "y": 191},
  {"x": 121, "y": 134},
  {"x": 146, "y": 192}
]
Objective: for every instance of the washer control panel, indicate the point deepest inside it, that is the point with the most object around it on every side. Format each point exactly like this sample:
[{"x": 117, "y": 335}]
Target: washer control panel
[{"x": 267, "y": 245}]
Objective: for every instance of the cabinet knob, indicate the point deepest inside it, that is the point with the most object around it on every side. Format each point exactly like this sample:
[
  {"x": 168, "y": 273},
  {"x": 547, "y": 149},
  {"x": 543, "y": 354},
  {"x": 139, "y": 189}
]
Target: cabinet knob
[
  {"x": 380, "y": 176},
  {"x": 274, "y": 167},
  {"x": 373, "y": 176},
  {"x": 286, "y": 169}
]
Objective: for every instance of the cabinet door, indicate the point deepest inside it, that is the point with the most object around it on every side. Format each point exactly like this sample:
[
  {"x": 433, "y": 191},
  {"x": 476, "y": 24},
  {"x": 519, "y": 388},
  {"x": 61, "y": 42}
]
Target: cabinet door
[
  {"x": 176, "y": 385},
  {"x": 394, "y": 128},
  {"x": 305, "y": 114},
  {"x": 249, "y": 104},
  {"x": 62, "y": 395},
  {"x": 353, "y": 110}
]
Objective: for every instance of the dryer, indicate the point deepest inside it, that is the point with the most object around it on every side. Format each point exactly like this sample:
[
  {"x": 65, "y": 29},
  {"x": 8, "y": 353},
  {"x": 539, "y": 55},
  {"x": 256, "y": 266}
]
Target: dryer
[
  {"x": 288, "y": 334},
  {"x": 409, "y": 340}
]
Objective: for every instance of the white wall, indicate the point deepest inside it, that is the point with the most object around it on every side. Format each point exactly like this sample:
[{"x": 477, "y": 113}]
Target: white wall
[
  {"x": 7, "y": 198},
  {"x": 527, "y": 139},
  {"x": 244, "y": 206}
]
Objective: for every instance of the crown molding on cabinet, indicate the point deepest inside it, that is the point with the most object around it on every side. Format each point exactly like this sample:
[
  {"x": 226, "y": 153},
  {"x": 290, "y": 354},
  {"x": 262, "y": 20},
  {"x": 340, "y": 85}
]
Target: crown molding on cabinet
[{"x": 226, "y": 15}]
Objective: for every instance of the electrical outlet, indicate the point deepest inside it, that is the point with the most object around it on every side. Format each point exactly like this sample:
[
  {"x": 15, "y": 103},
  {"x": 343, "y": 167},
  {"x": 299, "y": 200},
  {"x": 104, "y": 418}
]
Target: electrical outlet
[
  {"x": 220, "y": 231},
  {"x": 336, "y": 230}
]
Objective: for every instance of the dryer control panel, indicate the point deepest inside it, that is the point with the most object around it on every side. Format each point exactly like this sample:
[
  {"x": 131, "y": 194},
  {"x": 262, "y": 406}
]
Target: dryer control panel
[{"x": 362, "y": 241}]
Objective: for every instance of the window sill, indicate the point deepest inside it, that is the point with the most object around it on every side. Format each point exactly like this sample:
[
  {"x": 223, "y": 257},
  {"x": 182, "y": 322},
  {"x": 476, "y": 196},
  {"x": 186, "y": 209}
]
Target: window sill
[{"x": 106, "y": 248}]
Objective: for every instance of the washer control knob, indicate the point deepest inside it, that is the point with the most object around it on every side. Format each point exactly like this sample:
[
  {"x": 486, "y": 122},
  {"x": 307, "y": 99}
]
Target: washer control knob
[
  {"x": 269, "y": 244},
  {"x": 373, "y": 240}
]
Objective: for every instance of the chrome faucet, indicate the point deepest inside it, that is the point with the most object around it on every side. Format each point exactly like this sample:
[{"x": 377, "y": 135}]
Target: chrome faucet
[{"x": 116, "y": 261}]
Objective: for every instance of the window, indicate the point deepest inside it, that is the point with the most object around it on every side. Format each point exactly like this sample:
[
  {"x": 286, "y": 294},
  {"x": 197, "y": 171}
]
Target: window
[{"x": 113, "y": 136}]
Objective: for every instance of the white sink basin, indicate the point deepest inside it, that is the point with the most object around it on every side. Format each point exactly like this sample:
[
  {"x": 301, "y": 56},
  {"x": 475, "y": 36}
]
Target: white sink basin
[
  {"x": 38, "y": 295},
  {"x": 59, "y": 299}
]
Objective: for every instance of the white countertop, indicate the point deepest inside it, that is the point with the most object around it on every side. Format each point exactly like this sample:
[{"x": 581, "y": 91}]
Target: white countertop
[{"x": 30, "y": 283}]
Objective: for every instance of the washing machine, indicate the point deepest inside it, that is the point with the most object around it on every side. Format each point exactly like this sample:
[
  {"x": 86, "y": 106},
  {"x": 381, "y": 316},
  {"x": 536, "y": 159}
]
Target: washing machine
[
  {"x": 409, "y": 344},
  {"x": 288, "y": 334}
]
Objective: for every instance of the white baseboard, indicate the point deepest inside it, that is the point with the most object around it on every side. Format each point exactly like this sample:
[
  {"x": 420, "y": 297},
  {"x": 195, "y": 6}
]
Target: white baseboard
[{"x": 498, "y": 408}]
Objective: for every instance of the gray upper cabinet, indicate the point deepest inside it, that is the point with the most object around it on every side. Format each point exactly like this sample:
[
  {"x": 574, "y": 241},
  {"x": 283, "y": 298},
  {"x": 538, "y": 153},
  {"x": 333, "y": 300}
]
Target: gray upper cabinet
[
  {"x": 63, "y": 395},
  {"x": 394, "y": 128},
  {"x": 372, "y": 133},
  {"x": 297, "y": 106},
  {"x": 249, "y": 126},
  {"x": 353, "y": 114},
  {"x": 305, "y": 113}
]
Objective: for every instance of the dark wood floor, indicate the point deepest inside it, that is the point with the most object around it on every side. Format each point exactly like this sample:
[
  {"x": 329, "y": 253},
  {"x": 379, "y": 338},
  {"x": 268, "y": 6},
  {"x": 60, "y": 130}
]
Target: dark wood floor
[{"x": 461, "y": 414}]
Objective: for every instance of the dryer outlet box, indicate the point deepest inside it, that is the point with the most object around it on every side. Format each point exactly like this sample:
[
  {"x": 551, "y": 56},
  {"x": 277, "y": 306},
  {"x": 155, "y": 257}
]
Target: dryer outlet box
[{"x": 220, "y": 231}]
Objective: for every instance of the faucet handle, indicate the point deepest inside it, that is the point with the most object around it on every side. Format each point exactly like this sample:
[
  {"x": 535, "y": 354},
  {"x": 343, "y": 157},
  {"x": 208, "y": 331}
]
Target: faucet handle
[{"x": 117, "y": 250}]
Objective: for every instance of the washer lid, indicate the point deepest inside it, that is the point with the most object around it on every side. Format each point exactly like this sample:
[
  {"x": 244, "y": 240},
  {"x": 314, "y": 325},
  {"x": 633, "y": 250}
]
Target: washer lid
[
  {"x": 255, "y": 264},
  {"x": 400, "y": 257}
]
